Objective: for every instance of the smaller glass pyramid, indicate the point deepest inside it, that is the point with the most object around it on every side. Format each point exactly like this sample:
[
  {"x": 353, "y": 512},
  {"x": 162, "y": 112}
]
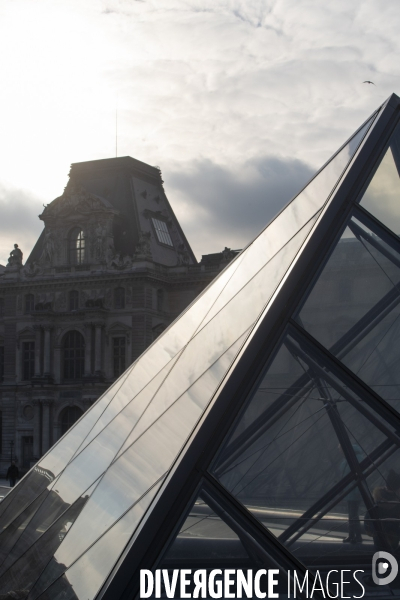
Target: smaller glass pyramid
[{"x": 265, "y": 411}]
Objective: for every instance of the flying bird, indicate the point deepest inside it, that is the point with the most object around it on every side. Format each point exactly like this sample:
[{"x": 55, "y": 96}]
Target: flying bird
[{"x": 369, "y": 82}]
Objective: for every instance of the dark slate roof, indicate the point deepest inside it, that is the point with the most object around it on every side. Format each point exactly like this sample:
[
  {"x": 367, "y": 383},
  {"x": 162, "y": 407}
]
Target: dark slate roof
[{"x": 135, "y": 189}]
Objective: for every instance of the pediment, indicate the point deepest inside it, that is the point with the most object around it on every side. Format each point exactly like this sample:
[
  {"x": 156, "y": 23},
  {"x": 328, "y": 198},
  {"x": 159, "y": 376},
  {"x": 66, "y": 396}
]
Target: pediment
[
  {"x": 26, "y": 332},
  {"x": 118, "y": 326},
  {"x": 76, "y": 200}
]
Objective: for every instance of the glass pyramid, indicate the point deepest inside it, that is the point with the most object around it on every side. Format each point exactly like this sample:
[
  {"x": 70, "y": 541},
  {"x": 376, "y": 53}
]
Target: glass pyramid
[{"x": 265, "y": 420}]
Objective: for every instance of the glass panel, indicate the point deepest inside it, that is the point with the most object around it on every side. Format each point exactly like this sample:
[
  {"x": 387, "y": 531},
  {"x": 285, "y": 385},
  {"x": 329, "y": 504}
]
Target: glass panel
[
  {"x": 23, "y": 573},
  {"x": 208, "y": 540},
  {"x": 50, "y": 514},
  {"x": 10, "y": 535},
  {"x": 91, "y": 462},
  {"x": 354, "y": 308},
  {"x": 90, "y": 571},
  {"x": 321, "y": 540},
  {"x": 145, "y": 461},
  {"x": 382, "y": 196},
  {"x": 200, "y": 393},
  {"x": 80, "y": 474},
  {"x": 205, "y": 540},
  {"x": 37, "y": 480},
  {"x": 167, "y": 347},
  {"x": 130, "y": 410},
  {"x": 294, "y": 456}
]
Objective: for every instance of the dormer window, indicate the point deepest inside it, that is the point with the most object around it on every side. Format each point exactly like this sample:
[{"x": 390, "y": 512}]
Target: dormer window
[
  {"x": 76, "y": 247},
  {"x": 161, "y": 229}
]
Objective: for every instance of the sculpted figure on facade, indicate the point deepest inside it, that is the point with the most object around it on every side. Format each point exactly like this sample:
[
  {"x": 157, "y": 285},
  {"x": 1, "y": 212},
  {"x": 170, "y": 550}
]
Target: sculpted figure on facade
[
  {"x": 15, "y": 258},
  {"x": 117, "y": 261},
  {"x": 48, "y": 247},
  {"x": 143, "y": 248},
  {"x": 99, "y": 237},
  {"x": 183, "y": 255},
  {"x": 32, "y": 269}
]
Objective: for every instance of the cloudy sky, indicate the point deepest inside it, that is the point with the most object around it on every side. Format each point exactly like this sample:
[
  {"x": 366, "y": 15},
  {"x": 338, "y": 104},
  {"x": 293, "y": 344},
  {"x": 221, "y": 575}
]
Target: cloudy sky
[{"x": 238, "y": 101}]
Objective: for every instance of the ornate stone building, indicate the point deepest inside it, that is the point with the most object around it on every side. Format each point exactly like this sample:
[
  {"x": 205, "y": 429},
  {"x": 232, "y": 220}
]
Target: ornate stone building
[{"x": 110, "y": 271}]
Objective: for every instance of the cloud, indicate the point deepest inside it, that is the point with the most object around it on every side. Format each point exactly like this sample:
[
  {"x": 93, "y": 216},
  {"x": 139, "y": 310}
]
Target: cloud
[
  {"x": 202, "y": 85},
  {"x": 19, "y": 221},
  {"x": 219, "y": 206}
]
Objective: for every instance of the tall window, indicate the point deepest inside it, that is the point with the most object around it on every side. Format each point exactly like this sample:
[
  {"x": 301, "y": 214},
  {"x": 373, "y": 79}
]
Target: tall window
[
  {"x": 28, "y": 360},
  {"x": 68, "y": 417},
  {"x": 161, "y": 229},
  {"x": 1, "y": 363},
  {"x": 27, "y": 450},
  {"x": 119, "y": 345},
  {"x": 1, "y": 307},
  {"x": 73, "y": 300},
  {"x": 1, "y": 431},
  {"x": 29, "y": 303},
  {"x": 74, "y": 355},
  {"x": 119, "y": 297},
  {"x": 76, "y": 247}
]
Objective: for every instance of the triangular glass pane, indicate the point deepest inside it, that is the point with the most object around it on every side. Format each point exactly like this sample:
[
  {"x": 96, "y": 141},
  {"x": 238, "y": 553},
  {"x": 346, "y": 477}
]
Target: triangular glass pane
[
  {"x": 11, "y": 534},
  {"x": 354, "y": 307},
  {"x": 123, "y": 414},
  {"x": 294, "y": 461},
  {"x": 199, "y": 393},
  {"x": 89, "y": 572},
  {"x": 210, "y": 540},
  {"x": 320, "y": 540},
  {"x": 382, "y": 196},
  {"x": 24, "y": 570}
]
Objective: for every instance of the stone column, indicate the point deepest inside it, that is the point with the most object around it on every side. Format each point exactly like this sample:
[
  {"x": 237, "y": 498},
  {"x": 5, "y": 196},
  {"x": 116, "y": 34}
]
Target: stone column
[
  {"x": 45, "y": 425},
  {"x": 36, "y": 429},
  {"x": 97, "y": 352},
  {"x": 88, "y": 348},
  {"x": 47, "y": 354},
  {"x": 18, "y": 361},
  {"x": 57, "y": 364},
  {"x": 38, "y": 332}
]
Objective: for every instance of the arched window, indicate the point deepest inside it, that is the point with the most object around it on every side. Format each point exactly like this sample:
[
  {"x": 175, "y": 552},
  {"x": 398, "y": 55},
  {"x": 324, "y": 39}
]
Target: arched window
[
  {"x": 74, "y": 355},
  {"x": 160, "y": 300},
  {"x": 73, "y": 300},
  {"x": 29, "y": 303},
  {"x": 119, "y": 297},
  {"x": 76, "y": 246},
  {"x": 68, "y": 417}
]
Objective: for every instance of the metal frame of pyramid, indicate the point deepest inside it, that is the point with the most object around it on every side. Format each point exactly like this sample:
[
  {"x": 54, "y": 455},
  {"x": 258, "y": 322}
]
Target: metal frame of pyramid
[{"x": 134, "y": 463}]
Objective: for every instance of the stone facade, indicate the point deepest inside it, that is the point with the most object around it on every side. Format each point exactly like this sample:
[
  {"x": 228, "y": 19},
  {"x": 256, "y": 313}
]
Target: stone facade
[{"x": 110, "y": 271}]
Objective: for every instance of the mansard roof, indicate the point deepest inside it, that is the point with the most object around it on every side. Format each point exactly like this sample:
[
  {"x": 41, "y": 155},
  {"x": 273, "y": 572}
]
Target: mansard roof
[{"x": 134, "y": 190}]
